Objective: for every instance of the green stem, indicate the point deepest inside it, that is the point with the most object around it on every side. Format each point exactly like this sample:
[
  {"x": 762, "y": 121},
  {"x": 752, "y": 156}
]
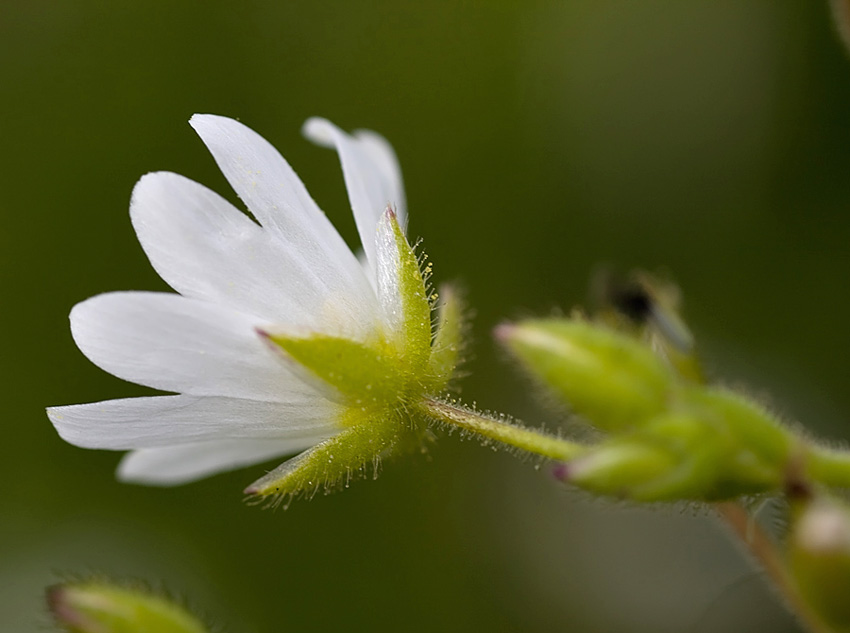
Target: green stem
[
  {"x": 511, "y": 434},
  {"x": 758, "y": 543},
  {"x": 764, "y": 550},
  {"x": 828, "y": 466}
]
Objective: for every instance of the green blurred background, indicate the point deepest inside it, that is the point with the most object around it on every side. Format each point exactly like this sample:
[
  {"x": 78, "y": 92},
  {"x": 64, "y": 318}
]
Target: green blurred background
[{"x": 538, "y": 140}]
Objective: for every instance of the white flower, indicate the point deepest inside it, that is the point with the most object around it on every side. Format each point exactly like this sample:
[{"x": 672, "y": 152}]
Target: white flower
[{"x": 265, "y": 314}]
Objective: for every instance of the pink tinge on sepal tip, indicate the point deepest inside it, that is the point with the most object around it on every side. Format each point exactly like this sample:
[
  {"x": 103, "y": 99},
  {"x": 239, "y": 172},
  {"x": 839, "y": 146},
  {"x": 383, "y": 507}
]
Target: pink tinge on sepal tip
[
  {"x": 562, "y": 471},
  {"x": 57, "y": 603},
  {"x": 503, "y": 332},
  {"x": 266, "y": 337},
  {"x": 281, "y": 353}
]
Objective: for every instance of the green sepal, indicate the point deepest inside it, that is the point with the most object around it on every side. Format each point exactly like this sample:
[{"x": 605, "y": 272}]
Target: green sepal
[
  {"x": 448, "y": 338},
  {"x": 413, "y": 324},
  {"x": 394, "y": 365},
  {"x": 685, "y": 454},
  {"x": 351, "y": 454},
  {"x": 762, "y": 445},
  {"x": 98, "y": 607},
  {"x": 379, "y": 379},
  {"x": 607, "y": 377},
  {"x": 618, "y": 468},
  {"x": 365, "y": 374},
  {"x": 699, "y": 454},
  {"x": 711, "y": 462},
  {"x": 672, "y": 457}
]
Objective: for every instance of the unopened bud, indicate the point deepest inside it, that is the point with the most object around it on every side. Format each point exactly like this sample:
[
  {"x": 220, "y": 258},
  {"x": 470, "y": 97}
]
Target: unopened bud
[
  {"x": 762, "y": 446},
  {"x": 617, "y": 468},
  {"x": 679, "y": 455},
  {"x": 97, "y": 607},
  {"x": 609, "y": 378}
]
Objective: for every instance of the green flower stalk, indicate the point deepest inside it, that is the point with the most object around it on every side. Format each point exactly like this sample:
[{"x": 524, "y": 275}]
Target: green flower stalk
[{"x": 98, "y": 607}]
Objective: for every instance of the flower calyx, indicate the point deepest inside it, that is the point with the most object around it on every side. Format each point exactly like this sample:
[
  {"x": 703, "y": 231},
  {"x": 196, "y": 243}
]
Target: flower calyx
[{"x": 377, "y": 381}]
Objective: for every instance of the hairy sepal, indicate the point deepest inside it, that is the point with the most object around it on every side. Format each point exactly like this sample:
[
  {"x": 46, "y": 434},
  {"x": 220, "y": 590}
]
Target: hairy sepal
[
  {"x": 607, "y": 377},
  {"x": 363, "y": 374},
  {"x": 712, "y": 445},
  {"x": 404, "y": 295},
  {"x": 98, "y": 607},
  {"x": 448, "y": 338},
  {"x": 353, "y": 453},
  {"x": 763, "y": 443}
]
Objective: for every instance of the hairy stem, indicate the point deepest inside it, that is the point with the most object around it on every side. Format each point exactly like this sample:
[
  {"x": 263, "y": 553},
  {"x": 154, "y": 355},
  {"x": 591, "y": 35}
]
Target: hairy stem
[
  {"x": 763, "y": 549},
  {"x": 828, "y": 466},
  {"x": 536, "y": 442}
]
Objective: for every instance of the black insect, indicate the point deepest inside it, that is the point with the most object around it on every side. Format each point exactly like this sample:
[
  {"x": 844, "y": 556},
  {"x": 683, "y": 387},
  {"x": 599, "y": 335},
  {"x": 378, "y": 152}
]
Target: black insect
[{"x": 645, "y": 303}]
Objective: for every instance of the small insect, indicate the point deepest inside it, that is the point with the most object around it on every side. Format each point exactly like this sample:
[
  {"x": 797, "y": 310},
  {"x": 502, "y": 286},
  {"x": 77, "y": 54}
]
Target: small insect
[{"x": 644, "y": 303}]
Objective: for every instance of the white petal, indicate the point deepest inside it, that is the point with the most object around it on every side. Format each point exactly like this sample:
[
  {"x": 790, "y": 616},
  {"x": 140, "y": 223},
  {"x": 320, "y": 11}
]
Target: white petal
[
  {"x": 172, "y": 465},
  {"x": 384, "y": 157},
  {"x": 371, "y": 173},
  {"x": 278, "y": 199},
  {"x": 206, "y": 248},
  {"x": 165, "y": 420},
  {"x": 173, "y": 343}
]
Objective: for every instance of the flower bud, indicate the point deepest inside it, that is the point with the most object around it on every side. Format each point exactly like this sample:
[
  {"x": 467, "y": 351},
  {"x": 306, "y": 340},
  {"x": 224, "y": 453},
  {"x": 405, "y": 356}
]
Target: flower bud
[
  {"x": 819, "y": 557},
  {"x": 764, "y": 443},
  {"x": 611, "y": 379},
  {"x": 674, "y": 456},
  {"x": 618, "y": 468},
  {"x": 683, "y": 454},
  {"x": 98, "y": 607}
]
